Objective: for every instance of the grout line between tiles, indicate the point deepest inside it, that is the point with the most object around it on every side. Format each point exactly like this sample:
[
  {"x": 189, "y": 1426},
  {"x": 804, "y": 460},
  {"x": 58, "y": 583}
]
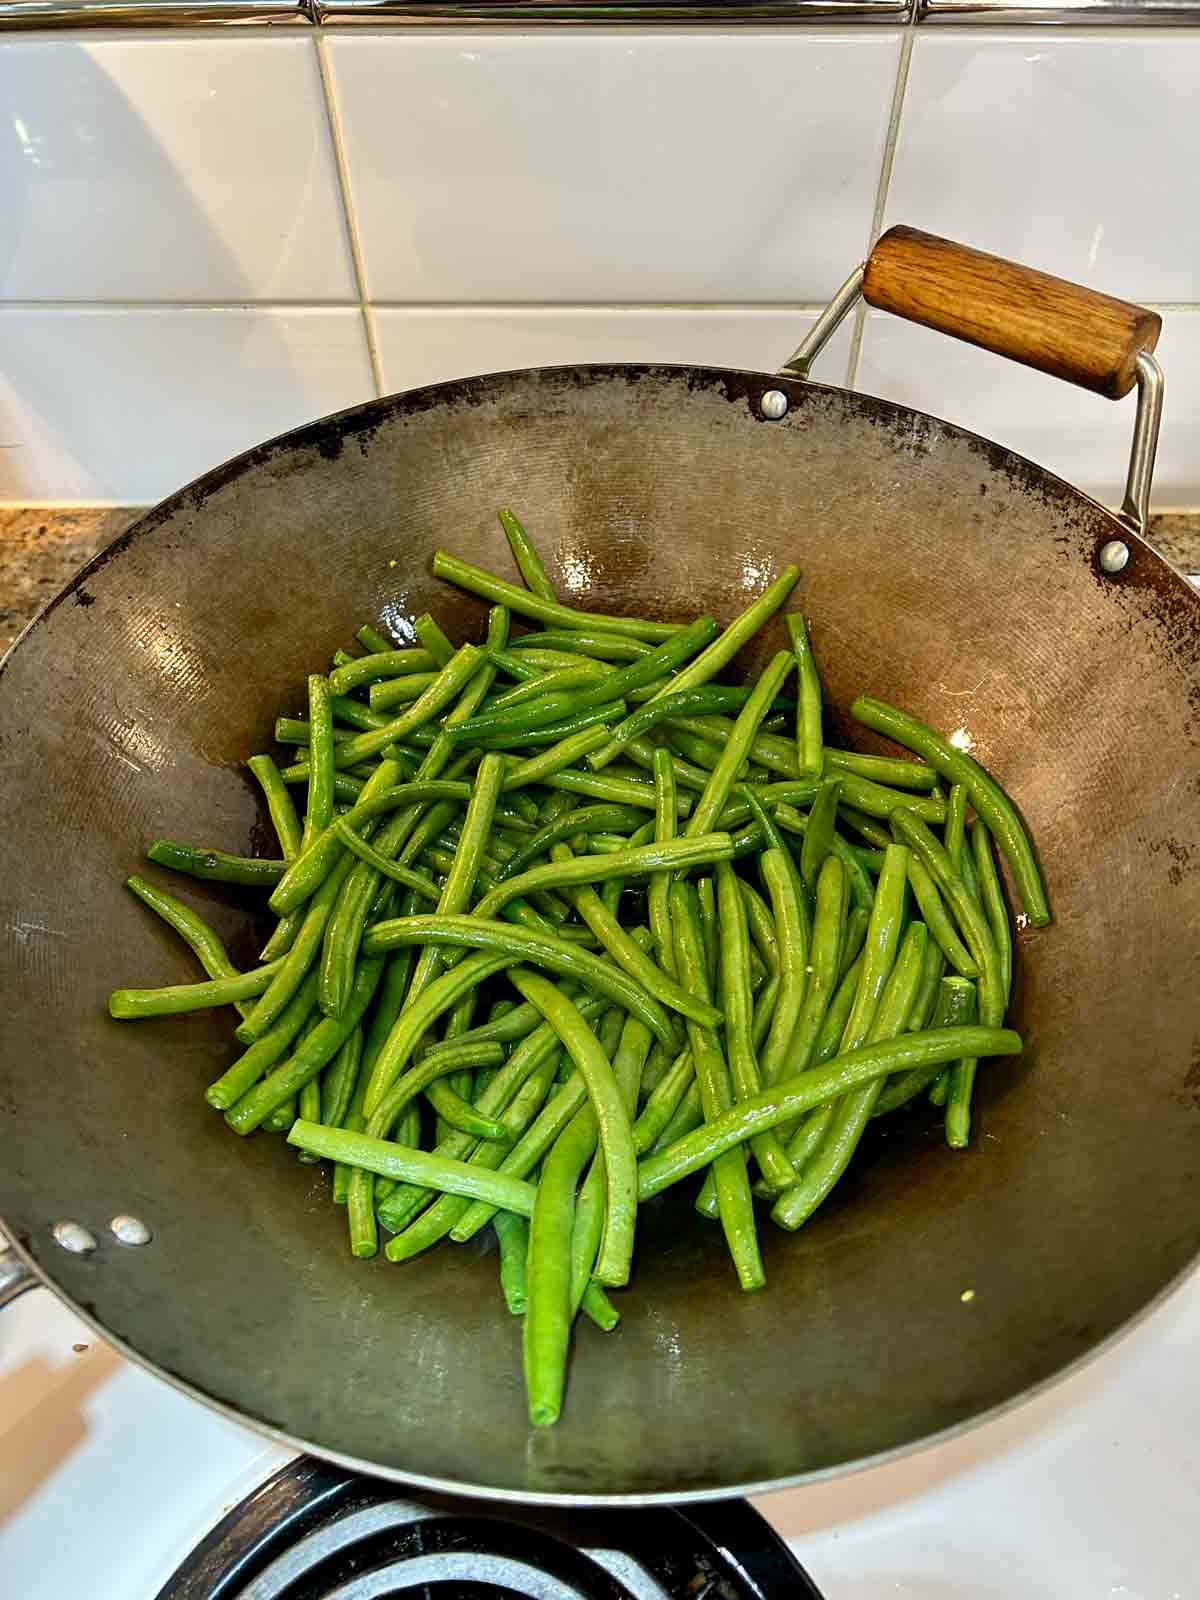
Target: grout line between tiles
[
  {"x": 348, "y": 212},
  {"x": 881, "y": 193},
  {"x": 553, "y": 307}
]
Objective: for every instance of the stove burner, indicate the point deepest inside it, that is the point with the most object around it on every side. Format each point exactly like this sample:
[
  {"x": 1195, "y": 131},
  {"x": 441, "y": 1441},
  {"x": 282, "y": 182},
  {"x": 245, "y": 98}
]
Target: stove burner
[{"x": 313, "y": 1532}]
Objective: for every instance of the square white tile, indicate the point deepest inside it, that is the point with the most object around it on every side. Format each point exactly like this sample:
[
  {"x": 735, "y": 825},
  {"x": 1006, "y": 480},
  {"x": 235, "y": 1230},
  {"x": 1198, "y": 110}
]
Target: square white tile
[
  {"x": 601, "y": 167},
  {"x": 1075, "y": 152},
  {"x": 168, "y": 168},
  {"x": 128, "y": 405},
  {"x": 1081, "y": 436},
  {"x": 419, "y": 346}
]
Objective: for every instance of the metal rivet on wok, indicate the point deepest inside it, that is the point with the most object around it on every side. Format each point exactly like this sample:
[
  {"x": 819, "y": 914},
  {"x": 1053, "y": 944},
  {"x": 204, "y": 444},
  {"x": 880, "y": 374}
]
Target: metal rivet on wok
[
  {"x": 773, "y": 405},
  {"x": 73, "y": 1236},
  {"x": 1114, "y": 556},
  {"x": 130, "y": 1230}
]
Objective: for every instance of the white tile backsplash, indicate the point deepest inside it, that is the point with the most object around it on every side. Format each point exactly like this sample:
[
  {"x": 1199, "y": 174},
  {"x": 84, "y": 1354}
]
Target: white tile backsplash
[
  {"x": 429, "y": 345},
  {"x": 633, "y": 166},
  {"x": 176, "y": 168},
  {"x": 1081, "y": 436},
  {"x": 128, "y": 405},
  {"x": 1076, "y": 152},
  {"x": 177, "y": 208}
]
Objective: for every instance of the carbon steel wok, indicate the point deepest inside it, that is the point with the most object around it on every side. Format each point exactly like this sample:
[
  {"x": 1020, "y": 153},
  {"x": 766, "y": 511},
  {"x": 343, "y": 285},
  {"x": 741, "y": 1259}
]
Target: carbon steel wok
[{"x": 941, "y": 572}]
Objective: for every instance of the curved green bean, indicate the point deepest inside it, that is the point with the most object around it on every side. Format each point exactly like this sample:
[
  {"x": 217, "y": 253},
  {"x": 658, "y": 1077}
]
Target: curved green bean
[
  {"x": 673, "y": 855},
  {"x": 612, "y": 1121},
  {"x": 809, "y": 741},
  {"x": 279, "y": 805},
  {"x": 130, "y": 1005},
  {"x": 476, "y": 581},
  {"x": 512, "y": 1235},
  {"x": 583, "y": 641},
  {"x": 717, "y": 790},
  {"x": 380, "y": 665},
  {"x": 321, "y": 747},
  {"x": 937, "y": 918},
  {"x": 991, "y": 895},
  {"x": 433, "y": 639},
  {"x": 985, "y": 794},
  {"x": 261, "y": 1056}
]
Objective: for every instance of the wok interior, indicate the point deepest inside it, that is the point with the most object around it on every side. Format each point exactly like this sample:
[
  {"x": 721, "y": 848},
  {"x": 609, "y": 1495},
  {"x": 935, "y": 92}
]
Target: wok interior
[{"x": 939, "y": 573}]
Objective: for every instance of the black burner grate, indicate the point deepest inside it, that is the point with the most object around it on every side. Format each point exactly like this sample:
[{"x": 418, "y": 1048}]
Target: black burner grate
[{"x": 313, "y": 1532}]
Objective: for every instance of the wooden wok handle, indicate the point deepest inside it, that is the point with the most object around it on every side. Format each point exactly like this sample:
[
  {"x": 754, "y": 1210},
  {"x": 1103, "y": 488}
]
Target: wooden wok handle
[{"x": 1061, "y": 328}]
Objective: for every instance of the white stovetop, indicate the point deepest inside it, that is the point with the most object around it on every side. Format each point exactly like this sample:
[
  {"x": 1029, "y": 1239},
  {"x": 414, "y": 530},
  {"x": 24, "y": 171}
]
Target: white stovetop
[{"x": 1090, "y": 1492}]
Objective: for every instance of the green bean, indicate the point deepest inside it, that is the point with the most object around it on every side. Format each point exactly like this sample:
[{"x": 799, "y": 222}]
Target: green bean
[
  {"x": 955, "y": 832},
  {"x": 657, "y": 899},
  {"x": 279, "y": 805},
  {"x": 308, "y": 1107},
  {"x": 129, "y": 1005},
  {"x": 547, "y": 767},
  {"x": 565, "y": 869},
  {"x": 262, "y": 1055},
  {"x": 400, "y": 691},
  {"x": 191, "y": 928},
  {"x": 418, "y": 882},
  {"x": 971, "y": 919},
  {"x": 954, "y": 1007},
  {"x": 853, "y": 1111},
  {"x": 371, "y": 638},
  {"x": 931, "y": 977},
  {"x": 529, "y": 563},
  {"x": 380, "y": 665},
  {"x": 818, "y": 836},
  {"x": 217, "y": 865},
  {"x": 663, "y": 1102},
  {"x": 761, "y": 928},
  {"x": 319, "y": 813},
  {"x": 446, "y": 686},
  {"x": 717, "y": 791},
  {"x": 339, "y": 1080},
  {"x": 281, "y": 1118},
  {"x": 822, "y": 963},
  {"x": 937, "y": 918},
  {"x": 871, "y": 830},
  {"x": 813, "y": 1088},
  {"x": 712, "y": 1078},
  {"x": 476, "y": 581},
  {"x": 514, "y": 724},
  {"x": 678, "y": 703},
  {"x": 547, "y": 1332},
  {"x": 892, "y": 771},
  {"x": 991, "y": 895},
  {"x": 460, "y": 883},
  {"x": 346, "y": 787},
  {"x": 744, "y": 1072},
  {"x": 985, "y": 794},
  {"x": 793, "y": 961},
  {"x": 809, "y": 746},
  {"x": 940, "y": 1091},
  {"x": 706, "y": 906},
  {"x": 858, "y": 920},
  {"x": 319, "y": 1047},
  {"x": 391, "y": 1160},
  {"x": 582, "y": 641},
  {"x": 512, "y": 1234},
  {"x": 433, "y": 639},
  {"x": 616, "y": 1139}
]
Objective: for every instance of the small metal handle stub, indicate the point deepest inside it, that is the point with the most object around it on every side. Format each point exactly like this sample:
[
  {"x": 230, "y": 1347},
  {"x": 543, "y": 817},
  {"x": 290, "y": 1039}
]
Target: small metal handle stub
[
  {"x": 1146, "y": 373},
  {"x": 15, "y": 1276}
]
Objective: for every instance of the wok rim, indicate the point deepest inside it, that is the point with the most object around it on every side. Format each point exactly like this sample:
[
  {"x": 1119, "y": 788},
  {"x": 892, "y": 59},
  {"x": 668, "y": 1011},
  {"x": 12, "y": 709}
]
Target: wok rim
[{"x": 367, "y": 413}]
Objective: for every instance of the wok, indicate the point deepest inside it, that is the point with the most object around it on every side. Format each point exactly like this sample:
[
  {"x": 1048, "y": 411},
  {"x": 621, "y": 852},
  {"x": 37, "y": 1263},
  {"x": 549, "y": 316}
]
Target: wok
[{"x": 941, "y": 572}]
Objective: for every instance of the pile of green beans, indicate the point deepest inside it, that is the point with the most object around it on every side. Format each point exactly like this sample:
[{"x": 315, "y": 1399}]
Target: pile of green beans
[{"x": 564, "y": 920}]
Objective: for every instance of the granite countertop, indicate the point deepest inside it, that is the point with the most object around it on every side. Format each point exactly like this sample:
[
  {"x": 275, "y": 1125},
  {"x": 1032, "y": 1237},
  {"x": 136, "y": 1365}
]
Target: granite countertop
[{"x": 41, "y": 548}]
